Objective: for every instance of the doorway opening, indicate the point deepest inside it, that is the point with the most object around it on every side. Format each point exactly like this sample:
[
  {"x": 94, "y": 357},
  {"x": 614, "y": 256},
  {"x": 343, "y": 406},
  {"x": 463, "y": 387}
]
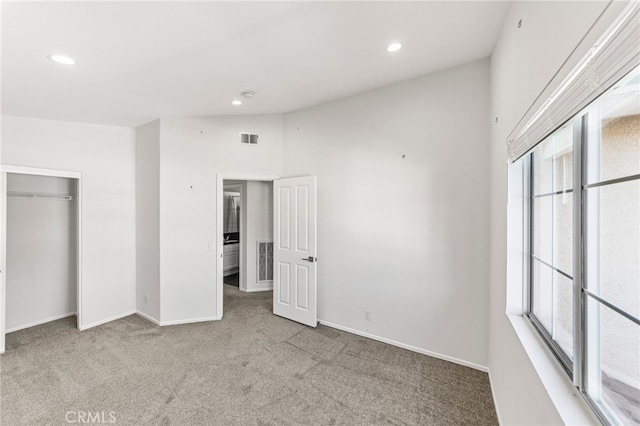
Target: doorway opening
[
  {"x": 288, "y": 218},
  {"x": 245, "y": 220},
  {"x": 41, "y": 253},
  {"x": 232, "y": 207}
]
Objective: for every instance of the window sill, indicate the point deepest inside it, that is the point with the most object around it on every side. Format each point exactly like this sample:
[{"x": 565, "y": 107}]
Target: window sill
[{"x": 568, "y": 401}]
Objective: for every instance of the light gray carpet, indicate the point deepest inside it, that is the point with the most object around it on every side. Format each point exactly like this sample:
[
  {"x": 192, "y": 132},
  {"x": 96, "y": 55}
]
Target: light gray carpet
[{"x": 251, "y": 368}]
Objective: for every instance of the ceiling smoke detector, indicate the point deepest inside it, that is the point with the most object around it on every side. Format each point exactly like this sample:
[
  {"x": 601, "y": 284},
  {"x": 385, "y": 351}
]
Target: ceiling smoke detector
[{"x": 248, "y": 94}]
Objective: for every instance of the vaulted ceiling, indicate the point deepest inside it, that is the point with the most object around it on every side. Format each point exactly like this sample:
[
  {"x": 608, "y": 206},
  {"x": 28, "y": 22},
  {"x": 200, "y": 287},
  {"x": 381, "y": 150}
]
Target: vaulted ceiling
[{"x": 137, "y": 61}]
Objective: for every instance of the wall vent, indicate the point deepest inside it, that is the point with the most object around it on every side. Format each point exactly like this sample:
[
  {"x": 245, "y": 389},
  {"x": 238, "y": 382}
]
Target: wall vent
[
  {"x": 249, "y": 138},
  {"x": 265, "y": 261}
]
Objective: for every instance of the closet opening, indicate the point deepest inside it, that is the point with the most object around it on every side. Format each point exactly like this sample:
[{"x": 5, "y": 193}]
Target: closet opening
[{"x": 41, "y": 262}]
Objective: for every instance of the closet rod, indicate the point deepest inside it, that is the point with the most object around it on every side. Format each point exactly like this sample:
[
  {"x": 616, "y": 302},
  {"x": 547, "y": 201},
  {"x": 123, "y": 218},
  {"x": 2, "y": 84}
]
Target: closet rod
[{"x": 38, "y": 195}]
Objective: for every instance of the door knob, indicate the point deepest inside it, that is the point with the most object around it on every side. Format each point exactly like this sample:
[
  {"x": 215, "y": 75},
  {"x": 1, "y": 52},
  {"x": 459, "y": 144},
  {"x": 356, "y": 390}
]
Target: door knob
[{"x": 310, "y": 259}]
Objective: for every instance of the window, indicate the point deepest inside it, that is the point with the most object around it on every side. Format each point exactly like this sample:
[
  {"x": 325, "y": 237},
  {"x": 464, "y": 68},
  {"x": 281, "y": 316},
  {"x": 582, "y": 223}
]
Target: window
[
  {"x": 551, "y": 242},
  {"x": 583, "y": 247}
]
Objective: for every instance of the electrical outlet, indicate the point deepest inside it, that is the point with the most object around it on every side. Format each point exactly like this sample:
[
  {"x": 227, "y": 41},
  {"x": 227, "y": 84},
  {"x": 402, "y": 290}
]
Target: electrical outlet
[
  {"x": 146, "y": 298},
  {"x": 367, "y": 315}
]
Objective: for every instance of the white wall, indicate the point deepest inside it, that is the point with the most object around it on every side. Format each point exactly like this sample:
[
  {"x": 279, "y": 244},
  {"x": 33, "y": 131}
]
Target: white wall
[
  {"x": 259, "y": 227},
  {"x": 192, "y": 152},
  {"x": 148, "y": 219},
  {"x": 41, "y": 251},
  {"x": 523, "y": 63},
  {"x": 105, "y": 155},
  {"x": 404, "y": 238}
]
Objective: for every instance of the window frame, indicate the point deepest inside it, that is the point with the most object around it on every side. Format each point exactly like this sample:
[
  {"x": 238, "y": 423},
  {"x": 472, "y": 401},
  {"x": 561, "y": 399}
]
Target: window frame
[
  {"x": 578, "y": 368},
  {"x": 566, "y": 363}
]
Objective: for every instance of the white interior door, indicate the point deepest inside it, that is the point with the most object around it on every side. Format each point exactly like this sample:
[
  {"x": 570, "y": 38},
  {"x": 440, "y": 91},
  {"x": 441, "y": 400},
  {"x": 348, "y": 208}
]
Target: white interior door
[{"x": 294, "y": 249}]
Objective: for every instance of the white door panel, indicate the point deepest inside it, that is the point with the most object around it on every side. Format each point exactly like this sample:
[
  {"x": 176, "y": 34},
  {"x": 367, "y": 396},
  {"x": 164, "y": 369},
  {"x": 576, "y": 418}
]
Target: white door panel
[
  {"x": 295, "y": 254},
  {"x": 284, "y": 281}
]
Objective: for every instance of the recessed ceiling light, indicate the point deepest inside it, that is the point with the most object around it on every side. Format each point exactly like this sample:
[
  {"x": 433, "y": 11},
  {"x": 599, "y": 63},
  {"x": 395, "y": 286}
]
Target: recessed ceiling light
[
  {"x": 236, "y": 102},
  {"x": 394, "y": 47},
  {"x": 60, "y": 59}
]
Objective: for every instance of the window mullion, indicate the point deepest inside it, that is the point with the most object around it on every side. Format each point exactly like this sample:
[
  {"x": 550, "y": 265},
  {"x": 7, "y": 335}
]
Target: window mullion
[
  {"x": 530, "y": 241},
  {"x": 554, "y": 232},
  {"x": 579, "y": 136},
  {"x": 592, "y": 374}
]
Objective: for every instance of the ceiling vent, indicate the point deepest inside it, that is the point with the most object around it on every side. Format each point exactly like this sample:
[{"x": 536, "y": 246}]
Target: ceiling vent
[{"x": 249, "y": 138}]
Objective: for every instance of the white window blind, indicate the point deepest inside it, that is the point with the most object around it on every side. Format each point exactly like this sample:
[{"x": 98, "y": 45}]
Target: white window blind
[{"x": 615, "y": 54}]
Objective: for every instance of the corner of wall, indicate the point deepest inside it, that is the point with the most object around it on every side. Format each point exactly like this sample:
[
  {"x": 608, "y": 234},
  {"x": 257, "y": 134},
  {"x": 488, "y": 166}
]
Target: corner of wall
[{"x": 147, "y": 158}]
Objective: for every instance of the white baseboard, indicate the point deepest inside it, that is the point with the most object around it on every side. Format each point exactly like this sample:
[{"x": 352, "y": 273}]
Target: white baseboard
[
  {"x": 175, "y": 322},
  {"x": 106, "y": 320},
  {"x": 148, "y": 317},
  {"x": 39, "y": 322},
  {"x": 188, "y": 321},
  {"x": 408, "y": 347},
  {"x": 495, "y": 401},
  {"x": 252, "y": 290}
]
